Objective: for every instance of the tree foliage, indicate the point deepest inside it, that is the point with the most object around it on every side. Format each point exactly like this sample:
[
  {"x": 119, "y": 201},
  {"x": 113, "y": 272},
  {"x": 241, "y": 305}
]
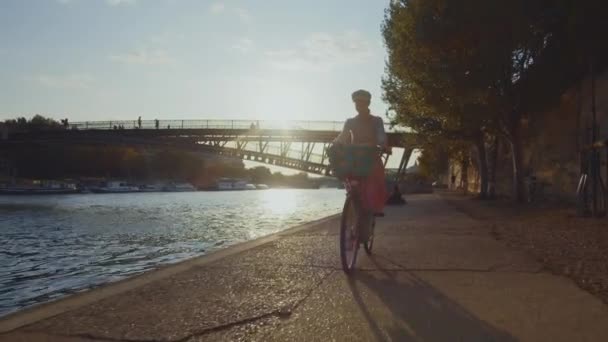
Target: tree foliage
[
  {"x": 36, "y": 122},
  {"x": 463, "y": 69}
]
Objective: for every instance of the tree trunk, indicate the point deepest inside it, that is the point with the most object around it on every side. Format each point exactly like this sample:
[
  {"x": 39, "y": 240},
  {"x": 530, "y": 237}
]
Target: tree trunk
[
  {"x": 517, "y": 152},
  {"x": 464, "y": 174},
  {"x": 483, "y": 165},
  {"x": 493, "y": 164}
]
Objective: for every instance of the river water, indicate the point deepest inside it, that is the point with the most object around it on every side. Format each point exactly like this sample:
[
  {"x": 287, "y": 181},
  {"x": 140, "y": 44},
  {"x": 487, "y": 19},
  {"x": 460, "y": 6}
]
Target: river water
[{"x": 52, "y": 246}]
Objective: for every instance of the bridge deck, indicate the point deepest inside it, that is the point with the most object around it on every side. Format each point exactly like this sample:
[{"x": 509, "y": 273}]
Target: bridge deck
[
  {"x": 220, "y": 124},
  {"x": 300, "y": 145}
]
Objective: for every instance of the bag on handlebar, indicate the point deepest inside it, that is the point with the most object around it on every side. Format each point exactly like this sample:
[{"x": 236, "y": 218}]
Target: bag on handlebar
[{"x": 352, "y": 160}]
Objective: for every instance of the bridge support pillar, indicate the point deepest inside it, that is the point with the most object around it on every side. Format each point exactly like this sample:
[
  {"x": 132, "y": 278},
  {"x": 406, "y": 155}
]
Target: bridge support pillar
[{"x": 405, "y": 158}]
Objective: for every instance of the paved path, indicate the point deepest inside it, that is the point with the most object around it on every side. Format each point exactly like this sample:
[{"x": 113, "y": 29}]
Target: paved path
[{"x": 437, "y": 275}]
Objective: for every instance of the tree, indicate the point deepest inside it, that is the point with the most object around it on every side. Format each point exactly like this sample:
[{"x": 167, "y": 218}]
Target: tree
[
  {"x": 433, "y": 161},
  {"x": 428, "y": 85},
  {"x": 36, "y": 122},
  {"x": 482, "y": 67},
  {"x": 260, "y": 174}
]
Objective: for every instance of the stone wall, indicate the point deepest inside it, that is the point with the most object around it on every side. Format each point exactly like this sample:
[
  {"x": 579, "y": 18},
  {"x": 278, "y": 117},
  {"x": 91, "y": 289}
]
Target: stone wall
[{"x": 557, "y": 136}]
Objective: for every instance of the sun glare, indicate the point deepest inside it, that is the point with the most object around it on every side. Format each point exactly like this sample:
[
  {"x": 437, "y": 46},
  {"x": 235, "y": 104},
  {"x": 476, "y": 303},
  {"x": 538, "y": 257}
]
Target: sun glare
[
  {"x": 279, "y": 201},
  {"x": 282, "y": 124}
]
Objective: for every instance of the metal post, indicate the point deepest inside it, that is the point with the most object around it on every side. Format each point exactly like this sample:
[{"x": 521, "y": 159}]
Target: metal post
[
  {"x": 594, "y": 154},
  {"x": 182, "y": 124},
  {"x": 405, "y": 158}
]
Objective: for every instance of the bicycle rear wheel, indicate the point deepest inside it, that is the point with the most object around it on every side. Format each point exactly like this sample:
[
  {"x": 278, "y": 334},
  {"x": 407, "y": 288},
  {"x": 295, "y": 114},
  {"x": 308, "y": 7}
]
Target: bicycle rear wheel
[{"x": 349, "y": 234}]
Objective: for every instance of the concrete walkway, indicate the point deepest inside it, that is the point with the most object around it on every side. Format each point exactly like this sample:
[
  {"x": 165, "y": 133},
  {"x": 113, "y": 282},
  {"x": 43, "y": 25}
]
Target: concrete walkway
[{"x": 436, "y": 275}]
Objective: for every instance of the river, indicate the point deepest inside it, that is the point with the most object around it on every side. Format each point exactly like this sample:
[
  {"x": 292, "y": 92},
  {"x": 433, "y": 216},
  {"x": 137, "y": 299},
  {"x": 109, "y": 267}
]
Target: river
[{"x": 53, "y": 246}]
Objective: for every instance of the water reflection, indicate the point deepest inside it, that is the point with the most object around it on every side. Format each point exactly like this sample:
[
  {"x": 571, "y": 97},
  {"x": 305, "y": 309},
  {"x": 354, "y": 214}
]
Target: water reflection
[
  {"x": 280, "y": 201},
  {"x": 56, "y": 245}
]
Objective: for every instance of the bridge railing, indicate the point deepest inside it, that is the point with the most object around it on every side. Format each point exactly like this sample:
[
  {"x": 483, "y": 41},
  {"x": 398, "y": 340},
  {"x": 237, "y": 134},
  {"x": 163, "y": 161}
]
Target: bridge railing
[{"x": 212, "y": 124}]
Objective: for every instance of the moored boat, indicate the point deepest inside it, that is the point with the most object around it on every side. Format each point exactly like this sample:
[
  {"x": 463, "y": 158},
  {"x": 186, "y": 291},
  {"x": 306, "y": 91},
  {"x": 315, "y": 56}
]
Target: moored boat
[
  {"x": 37, "y": 191},
  {"x": 151, "y": 188},
  {"x": 115, "y": 187},
  {"x": 40, "y": 188},
  {"x": 230, "y": 184},
  {"x": 179, "y": 187}
]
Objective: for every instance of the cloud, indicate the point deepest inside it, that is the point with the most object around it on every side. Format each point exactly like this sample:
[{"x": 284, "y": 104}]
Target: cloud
[
  {"x": 220, "y": 7},
  {"x": 243, "y": 45},
  {"x": 70, "y": 81},
  {"x": 217, "y": 7},
  {"x": 323, "y": 51},
  {"x": 243, "y": 14},
  {"x": 143, "y": 57},
  {"x": 164, "y": 38}
]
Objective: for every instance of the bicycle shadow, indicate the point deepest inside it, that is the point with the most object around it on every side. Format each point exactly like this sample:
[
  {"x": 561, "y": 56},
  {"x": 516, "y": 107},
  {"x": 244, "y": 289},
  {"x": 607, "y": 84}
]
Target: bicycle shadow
[{"x": 419, "y": 311}]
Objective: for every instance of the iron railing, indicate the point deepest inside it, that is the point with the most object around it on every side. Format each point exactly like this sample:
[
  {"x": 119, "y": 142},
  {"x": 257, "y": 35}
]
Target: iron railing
[{"x": 216, "y": 124}]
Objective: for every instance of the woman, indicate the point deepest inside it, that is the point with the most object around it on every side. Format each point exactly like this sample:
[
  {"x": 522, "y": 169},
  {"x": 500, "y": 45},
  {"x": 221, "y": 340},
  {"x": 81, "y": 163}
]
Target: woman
[{"x": 367, "y": 129}]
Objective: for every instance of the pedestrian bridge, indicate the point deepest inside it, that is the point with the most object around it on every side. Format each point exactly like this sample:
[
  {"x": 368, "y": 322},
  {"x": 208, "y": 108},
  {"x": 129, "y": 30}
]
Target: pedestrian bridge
[{"x": 300, "y": 145}]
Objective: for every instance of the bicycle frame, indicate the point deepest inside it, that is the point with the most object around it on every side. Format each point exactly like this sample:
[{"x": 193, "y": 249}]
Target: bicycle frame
[{"x": 353, "y": 187}]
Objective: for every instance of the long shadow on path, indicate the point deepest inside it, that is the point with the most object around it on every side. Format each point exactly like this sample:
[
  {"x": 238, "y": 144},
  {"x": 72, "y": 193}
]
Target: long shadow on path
[{"x": 419, "y": 312}]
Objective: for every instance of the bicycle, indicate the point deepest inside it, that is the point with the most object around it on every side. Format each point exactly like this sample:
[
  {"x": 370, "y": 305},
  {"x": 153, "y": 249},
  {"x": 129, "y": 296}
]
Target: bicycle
[
  {"x": 354, "y": 218},
  {"x": 353, "y": 163}
]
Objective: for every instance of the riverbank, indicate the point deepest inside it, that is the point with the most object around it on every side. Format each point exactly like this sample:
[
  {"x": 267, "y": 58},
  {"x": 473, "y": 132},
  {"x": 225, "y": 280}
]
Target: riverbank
[
  {"x": 436, "y": 274},
  {"x": 554, "y": 235},
  {"x": 50, "y": 309}
]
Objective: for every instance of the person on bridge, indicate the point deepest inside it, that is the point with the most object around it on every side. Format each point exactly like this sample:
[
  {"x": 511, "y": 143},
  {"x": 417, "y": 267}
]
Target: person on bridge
[{"x": 367, "y": 129}]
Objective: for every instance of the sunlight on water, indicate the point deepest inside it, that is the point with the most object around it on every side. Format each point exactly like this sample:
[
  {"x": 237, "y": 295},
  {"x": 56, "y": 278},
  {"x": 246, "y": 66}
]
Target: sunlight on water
[
  {"x": 56, "y": 245},
  {"x": 280, "y": 201}
]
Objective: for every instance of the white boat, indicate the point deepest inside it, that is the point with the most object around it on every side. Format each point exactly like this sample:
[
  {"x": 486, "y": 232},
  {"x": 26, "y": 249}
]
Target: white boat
[
  {"x": 115, "y": 187},
  {"x": 250, "y": 187},
  {"x": 179, "y": 187},
  {"x": 224, "y": 184},
  {"x": 151, "y": 188},
  {"x": 38, "y": 191},
  {"x": 262, "y": 187}
]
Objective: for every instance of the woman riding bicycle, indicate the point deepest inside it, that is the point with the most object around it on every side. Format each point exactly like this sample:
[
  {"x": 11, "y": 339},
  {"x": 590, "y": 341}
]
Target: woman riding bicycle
[{"x": 367, "y": 129}]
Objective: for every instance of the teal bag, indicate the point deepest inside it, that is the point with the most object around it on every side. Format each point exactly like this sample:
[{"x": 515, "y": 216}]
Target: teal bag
[{"x": 352, "y": 160}]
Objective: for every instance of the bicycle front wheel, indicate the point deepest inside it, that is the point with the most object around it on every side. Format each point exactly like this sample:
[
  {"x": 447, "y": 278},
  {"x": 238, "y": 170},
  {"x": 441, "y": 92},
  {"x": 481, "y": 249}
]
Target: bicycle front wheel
[{"x": 349, "y": 235}]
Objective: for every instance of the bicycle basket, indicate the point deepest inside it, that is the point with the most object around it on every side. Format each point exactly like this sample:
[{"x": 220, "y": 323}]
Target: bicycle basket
[{"x": 351, "y": 160}]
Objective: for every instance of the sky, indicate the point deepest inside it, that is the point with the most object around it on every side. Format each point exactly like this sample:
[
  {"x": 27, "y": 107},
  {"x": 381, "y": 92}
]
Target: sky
[
  {"x": 189, "y": 59},
  {"x": 89, "y": 60}
]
